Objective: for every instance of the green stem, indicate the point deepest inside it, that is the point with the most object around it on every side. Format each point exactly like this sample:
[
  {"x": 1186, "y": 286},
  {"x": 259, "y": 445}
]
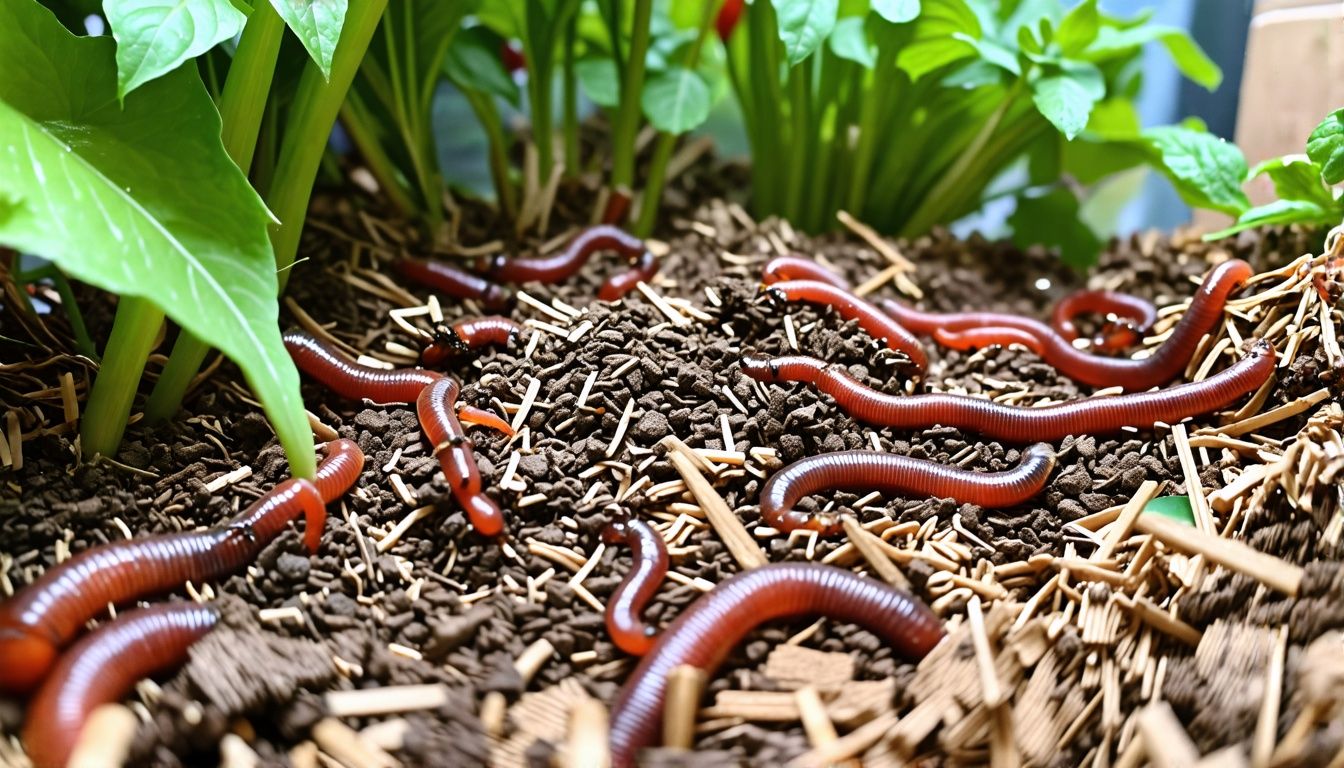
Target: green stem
[
  {"x": 83, "y": 343},
  {"x": 800, "y": 90},
  {"x": 311, "y": 117},
  {"x": 571, "y": 83},
  {"x": 653, "y": 186},
  {"x": 241, "y": 108},
  {"x": 869, "y": 116},
  {"x": 488, "y": 116},
  {"x": 108, "y": 408},
  {"x": 626, "y": 125},
  {"x": 359, "y": 124}
]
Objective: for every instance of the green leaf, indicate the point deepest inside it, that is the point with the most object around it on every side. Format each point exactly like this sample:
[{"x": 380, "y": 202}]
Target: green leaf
[
  {"x": 897, "y": 11},
  {"x": 1175, "y": 507},
  {"x": 1206, "y": 171},
  {"x": 1295, "y": 177},
  {"x": 317, "y": 24},
  {"x": 1279, "y": 212},
  {"x": 141, "y": 200},
  {"x": 473, "y": 61},
  {"x": 600, "y": 80},
  {"x": 1189, "y": 58},
  {"x": 1052, "y": 220},
  {"x": 1065, "y": 98},
  {"x": 1079, "y": 28},
  {"x": 849, "y": 41},
  {"x": 675, "y": 101},
  {"x": 803, "y": 25},
  {"x": 944, "y": 34},
  {"x": 155, "y": 36},
  {"x": 1325, "y": 147}
]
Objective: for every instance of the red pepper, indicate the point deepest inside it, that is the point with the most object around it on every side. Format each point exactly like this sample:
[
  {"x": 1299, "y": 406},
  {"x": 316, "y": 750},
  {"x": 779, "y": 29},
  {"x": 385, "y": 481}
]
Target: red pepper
[{"x": 727, "y": 19}]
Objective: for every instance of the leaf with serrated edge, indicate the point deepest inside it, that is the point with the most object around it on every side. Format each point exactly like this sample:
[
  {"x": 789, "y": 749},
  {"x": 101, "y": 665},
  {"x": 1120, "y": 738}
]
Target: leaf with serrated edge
[
  {"x": 317, "y": 24},
  {"x": 141, "y": 200},
  {"x": 155, "y": 36}
]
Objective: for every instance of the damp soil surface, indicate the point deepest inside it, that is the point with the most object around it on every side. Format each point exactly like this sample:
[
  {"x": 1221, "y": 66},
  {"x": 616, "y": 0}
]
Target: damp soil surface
[{"x": 607, "y": 383}]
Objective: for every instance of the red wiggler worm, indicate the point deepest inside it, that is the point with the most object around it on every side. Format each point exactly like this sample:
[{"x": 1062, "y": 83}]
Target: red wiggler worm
[
  {"x": 449, "y": 341},
  {"x": 851, "y": 307},
  {"x": 618, "y": 285},
  {"x": 103, "y": 667},
  {"x": 625, "y": 609},
  {"x": 1134, "y": 316},
  {"x": 46, "y": 615},
  {"x": 783, "y": 268},
  {"x": 1016, "y": 424},
  {"x": 1166, "y": 362},
  {"x": 562, "y": 265},
  {"x": 704, "y": 634},
  {"x": 855, "y": 470},
  {"x": 352, "y": 380},
  {"x": 454, "y": 281},
  {"x": 454, "y": 451}
]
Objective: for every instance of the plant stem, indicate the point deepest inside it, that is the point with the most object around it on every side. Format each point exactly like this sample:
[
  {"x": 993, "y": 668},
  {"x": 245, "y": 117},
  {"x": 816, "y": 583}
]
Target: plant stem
[
  {"x": 626, "y": 124},
  {"x": 871, "y": 97},
  {"x": 359, "y": 124},
  {"x": 311, "y": 117},
  {"x": 571, "y": 81},
  {"x": 108, "y": 408},
  {"x": 488, "y": 115},
  {"x": 241, "y": 108},
  {"x": 83, "y": 343}
]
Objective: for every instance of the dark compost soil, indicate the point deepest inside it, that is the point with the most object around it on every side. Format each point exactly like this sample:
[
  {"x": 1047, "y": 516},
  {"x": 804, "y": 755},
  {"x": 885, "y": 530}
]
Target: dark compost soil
[{"x": 443, "y": 605}]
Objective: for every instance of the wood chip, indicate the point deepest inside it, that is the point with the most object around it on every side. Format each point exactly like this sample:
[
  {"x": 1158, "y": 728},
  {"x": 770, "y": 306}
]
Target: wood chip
[
  {"x": 1267, "y": 723},
  {"x": 366, "y": 702},
  {"x": 621, "y": 426},
  {"x": 1165, "y": 741},
  {"x": 1269, "y": 570},
  {"x": 525, "y": 407},
  {"x": 345, "y": 745},
  {"x": 587, "y": 745},
  {"x": 816, "y": 723},
  {"x": 871, "y": 547},
  {"x": 105, "y": 741},
  {"x": 734, "y": 535},
  {"x": 1273, "y": 416},
  {"x": 229, "y": 478},
  {"x": 685, "y": 684},
  {"x": 1199, "y": 506},
  {"x": 990, "y": 686}
]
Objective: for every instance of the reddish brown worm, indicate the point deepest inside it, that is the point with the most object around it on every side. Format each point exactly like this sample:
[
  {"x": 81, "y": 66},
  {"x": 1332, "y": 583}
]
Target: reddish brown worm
[
  {"x": 1166, "y": 362},
  {"x": 450, "y": 341},
  {"x": 352, "y": 380},
  {"x": 1089, "y": 416},
  {"x": 563, "y": 265},
  {"x": 861, "y": 470},
  {"x": 1133, "y": 316},
  {"x": 454, "y": 281},
  {"x": 625, "y": 609},
  {"x": 103, "y": 667},
  {"x": 783, "y": 268},
  {"x": 439, "y": 421},
  {"x": 850, "y": 307},
  {"x": 704, "y": 634},
  {"x": 46, "y": 615},
  {"x": 641, "y": 271},
  {"x": 470, "y": 414}
]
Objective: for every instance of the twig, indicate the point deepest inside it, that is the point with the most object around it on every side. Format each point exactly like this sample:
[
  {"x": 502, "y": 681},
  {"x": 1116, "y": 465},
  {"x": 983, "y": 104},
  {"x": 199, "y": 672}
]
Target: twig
[
  {"x": 1269, "y": 570},
  {"x": 735, "y": 536},
  {"x": 685, "y": 683}
]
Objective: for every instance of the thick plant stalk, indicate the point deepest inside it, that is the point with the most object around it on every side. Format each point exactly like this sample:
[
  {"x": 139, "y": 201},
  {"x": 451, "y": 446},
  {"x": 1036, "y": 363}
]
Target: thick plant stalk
[
  {"x": 241, "y": 108},
  {"x": 109, "y": 406},
  {"x": 314, "y": 112},
  {"x": 626, "y": 124}
]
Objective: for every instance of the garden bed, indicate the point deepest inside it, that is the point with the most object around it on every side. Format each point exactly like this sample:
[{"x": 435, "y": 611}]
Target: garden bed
[{"x": 511, "y": 633}]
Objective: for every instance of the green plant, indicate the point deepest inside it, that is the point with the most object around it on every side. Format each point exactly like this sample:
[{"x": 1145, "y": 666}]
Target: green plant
[
  {"x": 904, "y": 112},
  {"x": 131, "y": 181}
]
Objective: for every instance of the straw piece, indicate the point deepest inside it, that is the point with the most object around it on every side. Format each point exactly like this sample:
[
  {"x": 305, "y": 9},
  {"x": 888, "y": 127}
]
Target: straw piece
[
  {"x": 365, "y": 702},
  {"x": 1269, "y": 570},
  {"x": 870, "y": 546},
  {"x": 587, "y": 745},
  {"x": 1165, "y": 741},
  {"x": 105, "y": 741},
  {"x": 1267, "y": 724},
  {"x": 735, "y": 536},
  {"x": 1125, "y": 522},
  {"x": 345, "y": 745},
  {"x": 1272, "y": 416},
  {"x": 685, "y": 683}
]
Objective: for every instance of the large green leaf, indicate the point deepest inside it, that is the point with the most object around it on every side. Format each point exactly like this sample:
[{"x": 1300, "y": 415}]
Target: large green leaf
[
  {"x": 945, "y": 33},
  {"x": 317, "y": 24},
  {"x": 897, "y": 11},
  {"x": 1079, "y": 28},
  {"x": 155, "y": 36},
  {"x": 676, "y": 101},
  {"x": 1206, "y": 171},
  {"x": 1279, "y": 212},
  {"x": 1066, "y": 94},
  {"x": 849, "y": 41},
  {"x": 1296, "y": 177},
  {"x": 600, "y": 80},
  {"x": 1189, "y": 58},
  {"x": 1052, "y": 220},
  {"x": 1325, "y": 147},
  {"x": 804, "y": 24},
  {"x": 141, "y": 200}
]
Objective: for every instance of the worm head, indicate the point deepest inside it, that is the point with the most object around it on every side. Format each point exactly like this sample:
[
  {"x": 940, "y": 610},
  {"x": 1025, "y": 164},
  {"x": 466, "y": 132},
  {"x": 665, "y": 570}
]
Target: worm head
[
  {"x": 1261, "y": 348},
  {"x": 444, "y": 345}
]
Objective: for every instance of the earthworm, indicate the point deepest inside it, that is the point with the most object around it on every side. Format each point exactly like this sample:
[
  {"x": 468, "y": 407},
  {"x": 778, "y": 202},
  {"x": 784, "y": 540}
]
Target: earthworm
[
  {"x": 851, "y": 307},
  {"x": 103, "y": 667},
  {"x": 47, "y": 614},
  {"x": 353, "y": 380},
  {"x": 1166, "y": 362},
  {"x": 627, "y": 603},
  {"x": 1017, "y": 424},
  {"x": 449, "y": 341},
  {"x": 704, "y": 634},
  {"x": 618, "y": 285},
  {"x": 617, "y": 206},
  {"x": 339, "y": 469},
  {"x": 797, "y": 268},
  {"x": 853, "y": 470},
  {"x": 454, "y": 451},
  {"x": 562, "y": 265},
  {"x": 1135, "y": 316},
  {"x": 454, "y": 281},
  {"x": 470, "y": 414}
]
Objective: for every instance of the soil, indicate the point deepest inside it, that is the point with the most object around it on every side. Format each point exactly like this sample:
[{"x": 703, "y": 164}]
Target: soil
[{"x": 445, "y": 606}]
